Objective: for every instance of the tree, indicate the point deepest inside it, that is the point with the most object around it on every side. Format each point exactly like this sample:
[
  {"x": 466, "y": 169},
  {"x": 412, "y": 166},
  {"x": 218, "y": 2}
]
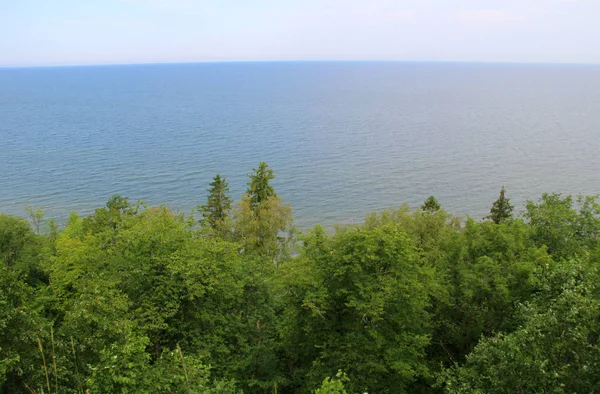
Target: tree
[
  {"x": 555, "y": 350},
  {"x": 568, "y": 227},
  {"x": 108, "y": 218},
  {"x": 15, "y": 235},
  {"x": 501, "y": 209},
  {"x": 488, "y": 271},
  {"x": 430, "y": 205},
  {"x": 264, "y": 229},
  {"x": 36, "y": 216},
  {"x": 554, "y": 223},
  {"x": 358, "y": 302},
  {"x": 333, "y": 385},
  {"x": 262, "y": 222},
  {"x": 218, "y": 203},
  {"x": 20, "y": 327},
  {"x": 259, "y": 188},
  {"x": 155, "y": 295}
]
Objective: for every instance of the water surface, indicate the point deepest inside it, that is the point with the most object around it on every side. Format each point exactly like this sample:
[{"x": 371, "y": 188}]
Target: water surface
[{"x": 344, "y": 138}]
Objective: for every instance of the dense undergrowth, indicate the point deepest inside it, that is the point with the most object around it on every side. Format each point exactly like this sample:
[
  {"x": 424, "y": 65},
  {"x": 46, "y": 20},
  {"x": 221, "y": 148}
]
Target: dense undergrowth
[{"x": 137, "y": 299}]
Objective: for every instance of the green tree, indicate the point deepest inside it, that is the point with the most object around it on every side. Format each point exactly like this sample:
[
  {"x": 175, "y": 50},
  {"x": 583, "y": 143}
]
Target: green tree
[
  {"x": 358, "y": 301},
  {"x": 431, "y": 204},
  {"x": 488, "y": 270},
  {"x": 431, "y": 232},
  {"x": 148, "y": 288},
  {"x": 15, "y": 234},
  {"x": 36, "y": 216},
  {"x": 218, "y": 203},
  {"x": 333, "y": 385},
  {"x": 20, "y": 328},
  {"x": 259, "y": 186},
  {"x": 501, "y": 208},
  {"x": 588, "y": 228},
  {"x": 262, "y": 222},
  {"x": 555, "y": 223},
  {"x": 134, "y": 299},
  {"x": 108, "y": 218},
  {"x": 555, "y": 350},
  {"x": 266, "y": 229}
]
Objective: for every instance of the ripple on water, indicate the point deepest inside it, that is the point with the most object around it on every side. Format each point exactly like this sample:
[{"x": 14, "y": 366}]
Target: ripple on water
[{"x": 344, "y": 138}]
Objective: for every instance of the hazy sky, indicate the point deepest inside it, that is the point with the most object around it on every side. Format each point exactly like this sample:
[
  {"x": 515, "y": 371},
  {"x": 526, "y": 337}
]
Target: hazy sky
[{"x": 56, "y": 32}]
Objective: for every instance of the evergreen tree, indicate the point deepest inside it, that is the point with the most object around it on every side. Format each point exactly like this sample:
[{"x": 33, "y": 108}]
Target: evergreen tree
[
  {"x": 430, "y": 205},
  {"x": 262, "y": 222},
  {"x": 501, "y": 209},
  {"x": 259, "y": 188},
  {"x": 218, "y": 202}
]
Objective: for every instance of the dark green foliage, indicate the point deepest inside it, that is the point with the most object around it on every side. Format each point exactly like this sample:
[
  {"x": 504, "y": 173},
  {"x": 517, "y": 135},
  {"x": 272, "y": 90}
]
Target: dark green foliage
[
  {"x": 358, "y": 301},
  {"x": 501, "y": 209},
  {"x": 489, "y": 269},
  {"x": 555, "y": 350},
  {"x": 107, "y": 219},
  {"x": 218, "y": 203},
  {"x": 259, "y": 186},
  {"x": 21, "y": 249},
  {"x": 134, "y": 299},
  {"x": 20, "y": 327},
  {"x": 431, "y": 205},
  {"x": 15, "y": 237},
  {"x": 262, "y": 222},
  {"x": 564, "y": 230}
]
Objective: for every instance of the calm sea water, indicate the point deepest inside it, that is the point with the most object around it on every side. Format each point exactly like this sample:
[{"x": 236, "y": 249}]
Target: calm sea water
[{"x": 344, "y": 139}]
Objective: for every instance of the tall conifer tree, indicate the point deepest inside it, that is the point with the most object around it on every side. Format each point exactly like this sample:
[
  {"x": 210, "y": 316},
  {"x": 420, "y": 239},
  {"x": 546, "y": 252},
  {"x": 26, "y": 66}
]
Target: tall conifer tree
[
  {"x": 501, "y": 209},
  {"x": 259, "y": 187},
  {"x": 218, "y": 202},
  {"x": 430, "y": 205}
]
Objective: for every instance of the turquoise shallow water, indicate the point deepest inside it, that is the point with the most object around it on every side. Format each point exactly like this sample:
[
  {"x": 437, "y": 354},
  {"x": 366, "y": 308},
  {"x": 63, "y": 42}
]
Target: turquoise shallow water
[{"x": 343, "y": 138}]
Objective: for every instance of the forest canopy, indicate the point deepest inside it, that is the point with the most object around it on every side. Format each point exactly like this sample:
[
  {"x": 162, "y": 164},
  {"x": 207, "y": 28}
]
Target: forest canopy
[{"x": 139, "y": 299}]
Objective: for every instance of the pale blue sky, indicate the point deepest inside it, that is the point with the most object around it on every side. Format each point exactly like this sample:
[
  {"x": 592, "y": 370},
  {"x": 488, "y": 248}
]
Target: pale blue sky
[{"x": 65, "y": 32}]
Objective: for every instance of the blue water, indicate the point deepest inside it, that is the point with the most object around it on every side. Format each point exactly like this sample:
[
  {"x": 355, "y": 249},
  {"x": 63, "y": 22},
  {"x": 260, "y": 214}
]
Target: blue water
[{"x": 343, "y": 138}]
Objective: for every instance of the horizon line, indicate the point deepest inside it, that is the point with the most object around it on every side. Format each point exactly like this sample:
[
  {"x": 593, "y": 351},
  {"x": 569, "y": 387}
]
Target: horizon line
[{"x": 302, "y": 61}]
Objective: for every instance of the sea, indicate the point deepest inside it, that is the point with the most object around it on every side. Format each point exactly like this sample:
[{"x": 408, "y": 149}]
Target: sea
[{"x": 343, "y": 138}]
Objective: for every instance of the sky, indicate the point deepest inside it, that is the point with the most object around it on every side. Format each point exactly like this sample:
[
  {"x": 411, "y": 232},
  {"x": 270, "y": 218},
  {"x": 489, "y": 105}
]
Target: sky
[{"x": 73, "y": 32}]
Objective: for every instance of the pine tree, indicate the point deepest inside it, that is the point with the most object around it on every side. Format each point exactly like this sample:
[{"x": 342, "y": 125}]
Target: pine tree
[
  {"x": 259, "y": 188},
  {"x": 501, "y": 209},
  {"x": 430, "y": 205},
  {"x": 261, "y": 220},
  {"x": 218, "y": 202}
]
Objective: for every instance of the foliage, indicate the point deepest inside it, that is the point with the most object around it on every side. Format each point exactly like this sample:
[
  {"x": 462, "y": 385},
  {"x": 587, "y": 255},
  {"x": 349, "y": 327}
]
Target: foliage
[
  {"x": 333, "y": 385},
  {"x": 489, "y": 269},
  {"x": 136, "y": 299},
  {"x": 261, "y": 222},
  {"x": 259, "y": 187},
  {"x": 19, "y": 329},
  {"x": 431, "y": 204},
  {"x": 15, "y": 237},
  {"x": 266, "y": 230},
  {"x": 501, "y": 208},
  {"x": 566, "y": 231},
  {"x": 36, "y": 216},
  {"x": 362, "y": 306},
  {"x": 218, "y": 204},
  {"x": 555, "y": 350}
]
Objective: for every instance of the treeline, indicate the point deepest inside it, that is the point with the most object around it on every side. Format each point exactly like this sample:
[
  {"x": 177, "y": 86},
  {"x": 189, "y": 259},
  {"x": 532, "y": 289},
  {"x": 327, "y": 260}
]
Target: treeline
[{"x": 137, "y": 299}]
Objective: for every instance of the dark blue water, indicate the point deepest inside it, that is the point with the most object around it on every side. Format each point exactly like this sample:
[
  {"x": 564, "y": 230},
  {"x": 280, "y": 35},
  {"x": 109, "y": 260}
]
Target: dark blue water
[{"x": 344, "y": 139}]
